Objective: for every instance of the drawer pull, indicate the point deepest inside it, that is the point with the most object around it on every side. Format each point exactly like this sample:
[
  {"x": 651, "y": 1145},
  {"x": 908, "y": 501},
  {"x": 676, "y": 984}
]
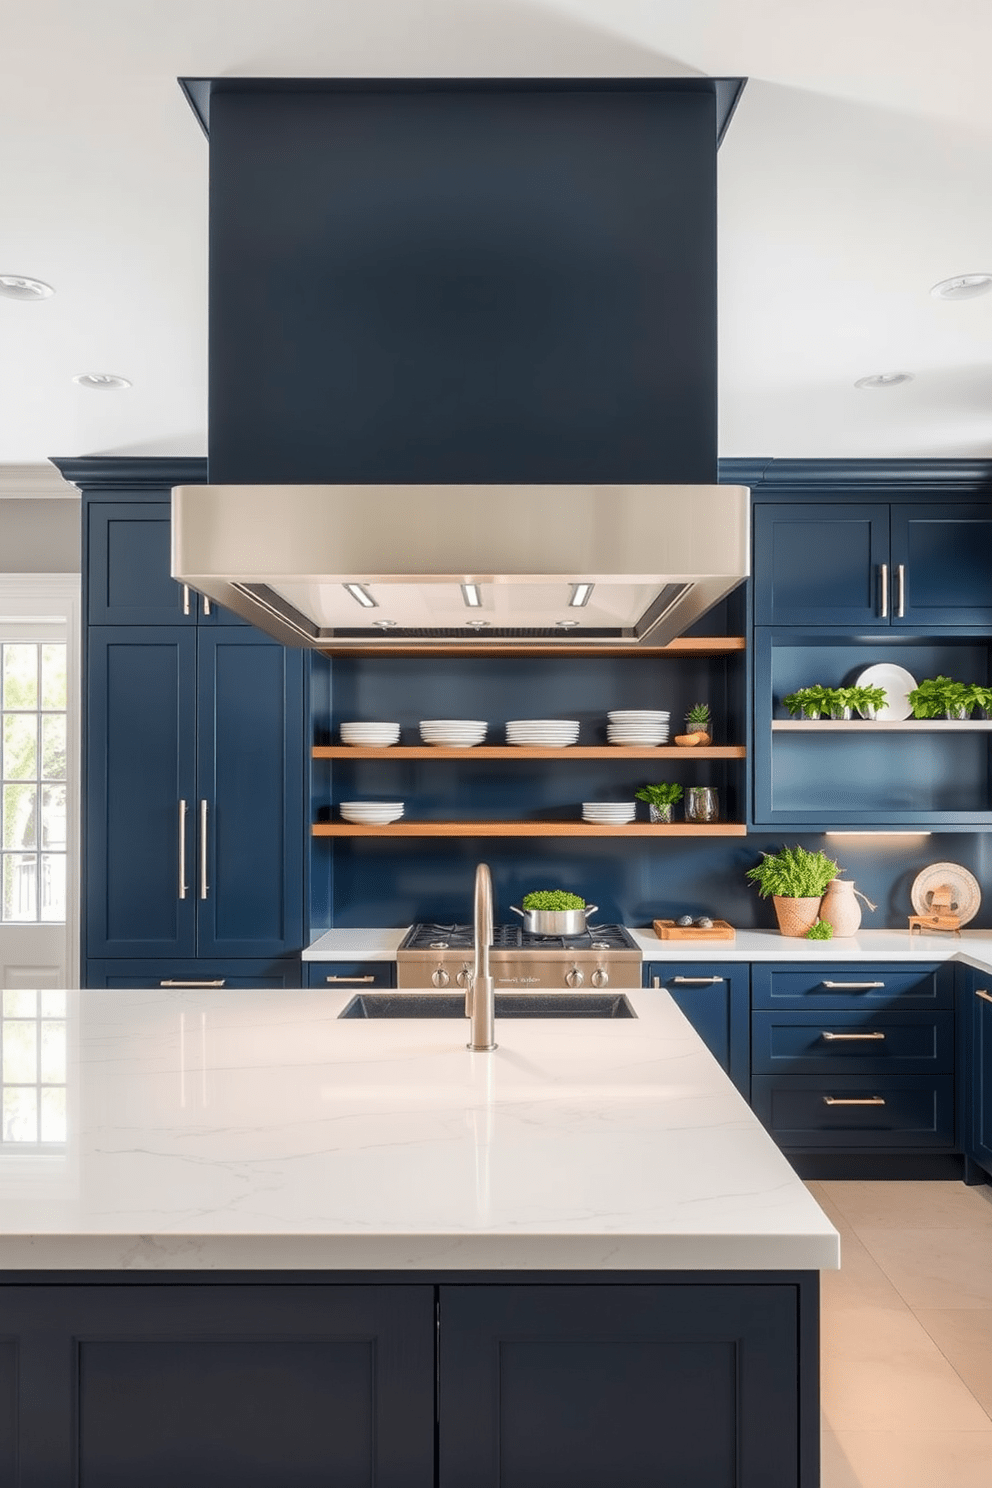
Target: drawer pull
[
  {"x": 981, "y": 992},
  {"x": 851, "y": 986},
  {"x": 365, "y": 979},
  {"x": 695, "y": 981},
  {"x": 169, "y": 982},
  {"x": 851, "y": 1037},
  {"x": 863, "y": 1100}
]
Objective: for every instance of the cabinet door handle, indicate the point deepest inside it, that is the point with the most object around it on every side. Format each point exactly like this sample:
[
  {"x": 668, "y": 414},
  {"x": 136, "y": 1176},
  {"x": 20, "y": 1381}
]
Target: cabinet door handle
[
  {"x": 900, "y": 591},
  {"x": 170, "y": 982},
  {"x": 883, "y": 575},
  {"x": 182, "y": 849},
  {"x": 851, "y": 986},
  {"x": 185, "y": 599},
  {"x": 864, "y": 1100},
  {"x": 365, "y": 979},
  {"x": 981, "y": 992},
  {"x": 681, "y": 981},
  {"x": 203, "y": 850},
  {"x": 851, "y": 1037},
  {"x": 206, "y": 604}
]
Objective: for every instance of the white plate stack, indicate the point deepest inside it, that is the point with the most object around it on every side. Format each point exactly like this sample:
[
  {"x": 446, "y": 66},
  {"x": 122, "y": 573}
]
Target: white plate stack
[
  {"x": 542, "y": 733},
  {"x": 370, "y": 735},
  {"x": 609, "y": 813},
  {"x": 633, "y": 728},
  {"x": 371, "y": 813},
  {"x": 453, "y": 733}
]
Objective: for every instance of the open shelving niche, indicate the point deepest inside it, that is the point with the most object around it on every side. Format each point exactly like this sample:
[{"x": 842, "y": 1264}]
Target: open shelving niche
[{"x": 685, "y": 649}]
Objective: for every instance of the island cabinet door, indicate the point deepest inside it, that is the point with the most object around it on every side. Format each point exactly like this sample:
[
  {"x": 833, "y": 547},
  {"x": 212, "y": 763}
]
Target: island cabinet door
[
  {"x": 213, "y": 1386},
  {"x": 625, "y": 1387},
  {"x": 979, "y": 1146}
]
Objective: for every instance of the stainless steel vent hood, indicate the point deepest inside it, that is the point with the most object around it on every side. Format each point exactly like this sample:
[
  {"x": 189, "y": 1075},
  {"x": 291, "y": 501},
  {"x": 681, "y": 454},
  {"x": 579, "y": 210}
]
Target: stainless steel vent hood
[{"x": 463, "y": 565}]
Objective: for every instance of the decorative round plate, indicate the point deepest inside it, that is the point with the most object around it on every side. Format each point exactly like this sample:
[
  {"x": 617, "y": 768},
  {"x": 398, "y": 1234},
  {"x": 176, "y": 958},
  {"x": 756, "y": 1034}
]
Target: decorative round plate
[
  {"x": 966, "y": 896},
  {"x": 898, "y": 684}
]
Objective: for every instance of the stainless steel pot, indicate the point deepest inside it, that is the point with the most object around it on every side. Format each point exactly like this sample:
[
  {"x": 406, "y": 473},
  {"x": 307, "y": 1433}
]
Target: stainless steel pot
[{"x": 555, "y": 921}]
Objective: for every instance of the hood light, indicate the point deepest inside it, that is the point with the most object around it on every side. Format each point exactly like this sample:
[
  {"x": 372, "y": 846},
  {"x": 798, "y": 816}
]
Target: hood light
[
  {"x": 477, "y": 624},
  {"x": 17, "y": 287},
  {"x": 363, "y": 596},
  {"x": 471, "y": 596},
  {"x": 580, "y": 595},
  {"x": 383, "y": 624},
  {"x": 567, "y": 624}
]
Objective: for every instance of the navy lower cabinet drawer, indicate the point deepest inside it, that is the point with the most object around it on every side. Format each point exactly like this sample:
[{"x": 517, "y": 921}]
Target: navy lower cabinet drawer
[
  {"x": 342, "y": 975},
  {"x": 851, "y": 1112},
  {"x": 227, "y": 975},
  {"x": 836, "y": 985},
  {"x": 714, "y": 998},
  {"x": 860, "y": 1042}
]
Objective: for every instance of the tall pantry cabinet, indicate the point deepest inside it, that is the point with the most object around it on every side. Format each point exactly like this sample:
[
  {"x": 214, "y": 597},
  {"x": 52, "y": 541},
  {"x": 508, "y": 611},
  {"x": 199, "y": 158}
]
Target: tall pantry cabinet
[{"x": 193, "y": 759}]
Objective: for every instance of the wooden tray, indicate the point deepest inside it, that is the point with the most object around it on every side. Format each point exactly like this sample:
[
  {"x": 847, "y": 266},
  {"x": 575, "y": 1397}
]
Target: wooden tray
[{"x": 668, "y": 930}]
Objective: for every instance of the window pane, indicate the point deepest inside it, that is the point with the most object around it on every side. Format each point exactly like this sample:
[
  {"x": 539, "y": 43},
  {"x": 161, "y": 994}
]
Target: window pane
[
  {"x": 53, "y": 746},
  {"x": 19, "y": 824},
  {"x": 20, "y": 1052},
  {"x": 20, "y": 746},
  {"x": 20, "y": 886},
  {"x": 52, "y": 815},
  {"x": 20, "y": 1002},
  {"x": 52, "y": 886},
  {"x": 20, "y": 1114},
  {"x": 53, "y": 1002},
  {"x": 53, "y": 683},
  {"x": 53, "y": 1052},
  {"x": 20, "y": 675},
  {"x": 53, "y": 1123}
]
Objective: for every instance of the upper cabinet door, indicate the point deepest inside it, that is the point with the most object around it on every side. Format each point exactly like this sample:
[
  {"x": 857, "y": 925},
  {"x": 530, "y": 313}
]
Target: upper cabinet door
[
  {"x": 821, "y": 565},
  {"x": 129, "y": 572},
  {"x": 941, "y": 565}
]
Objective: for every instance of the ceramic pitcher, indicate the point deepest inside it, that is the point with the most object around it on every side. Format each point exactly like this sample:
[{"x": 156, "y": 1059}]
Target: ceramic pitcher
[{"x": 840, "y": 906}]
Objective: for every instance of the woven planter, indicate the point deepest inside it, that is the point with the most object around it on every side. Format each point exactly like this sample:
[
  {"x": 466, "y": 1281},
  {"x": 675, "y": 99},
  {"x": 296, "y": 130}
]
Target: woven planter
[{"x": 795, "y": 916}]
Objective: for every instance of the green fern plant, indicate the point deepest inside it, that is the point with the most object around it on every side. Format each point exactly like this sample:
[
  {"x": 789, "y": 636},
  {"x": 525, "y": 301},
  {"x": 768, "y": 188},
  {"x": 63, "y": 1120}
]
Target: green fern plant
[{"x": 793, "y": 873}]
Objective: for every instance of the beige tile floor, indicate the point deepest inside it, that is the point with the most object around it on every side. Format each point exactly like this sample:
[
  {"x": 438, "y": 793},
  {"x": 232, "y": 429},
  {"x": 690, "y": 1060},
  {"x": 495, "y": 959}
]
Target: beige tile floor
[{"x": 906, "y": 1341}]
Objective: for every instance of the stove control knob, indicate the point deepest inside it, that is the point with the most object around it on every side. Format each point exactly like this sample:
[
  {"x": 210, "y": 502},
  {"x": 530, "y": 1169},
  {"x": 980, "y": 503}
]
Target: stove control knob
[
  {"x": 601, "y": 977},
  {"x": 464, "y": 977},
  {"x": 440, "y": 978},
  {"x": 574, "y": 977}
]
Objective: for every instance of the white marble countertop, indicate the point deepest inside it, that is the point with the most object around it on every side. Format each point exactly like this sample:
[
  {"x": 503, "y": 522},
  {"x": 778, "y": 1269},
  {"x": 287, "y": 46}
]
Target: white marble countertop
[
  {"x": 255, "y": 1130},
  {"x": 355, "y": 945}
]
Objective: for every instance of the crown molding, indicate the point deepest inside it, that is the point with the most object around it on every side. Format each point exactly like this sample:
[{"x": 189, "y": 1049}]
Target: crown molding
[
  {"x": 34, "y": 483},
  {"x": 132, "y": 472},
  {"x": 914, "y": 475}
]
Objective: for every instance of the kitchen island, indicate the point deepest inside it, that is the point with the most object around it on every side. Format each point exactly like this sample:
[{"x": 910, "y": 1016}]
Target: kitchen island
[{"x": 270, "y": 1232}]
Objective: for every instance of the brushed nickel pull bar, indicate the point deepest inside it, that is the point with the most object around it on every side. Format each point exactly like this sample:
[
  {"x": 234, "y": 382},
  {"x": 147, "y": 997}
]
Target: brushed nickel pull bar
[
  {"x": 365, "y": 979},
  {"x": 206, "y": 604},
  {"x": 867, "y": 1100},
  {"x": 851, "y": 986},
  {"x": 851, "y": 1037},
  {"x": 981, "y": 992},
  {"x": 883, "y": 573},
  {"x": 182, "y": 849},
  {"x": 185, "y": 599},
  {"x": 203, "y": 850},
  {"x": 171, "y": 982},
  {"x": 681, "y": 981},
  {"x": 900, "y": 591}
]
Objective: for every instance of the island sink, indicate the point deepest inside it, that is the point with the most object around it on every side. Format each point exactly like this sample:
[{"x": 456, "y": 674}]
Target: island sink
[{"x": 508, "y": 1005}]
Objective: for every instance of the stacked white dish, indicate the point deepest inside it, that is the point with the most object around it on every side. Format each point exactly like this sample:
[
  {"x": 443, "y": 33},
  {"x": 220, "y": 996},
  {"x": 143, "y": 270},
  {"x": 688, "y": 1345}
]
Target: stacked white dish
[
  {"x": 609, "y": 813},
  {"x": 542, "y": 733},
  {"x": 370, "y": 735},
  {"x": 453, "y": 733},
  {"x": 371, "y": 813},
  {"x": 637, "y": 727}
]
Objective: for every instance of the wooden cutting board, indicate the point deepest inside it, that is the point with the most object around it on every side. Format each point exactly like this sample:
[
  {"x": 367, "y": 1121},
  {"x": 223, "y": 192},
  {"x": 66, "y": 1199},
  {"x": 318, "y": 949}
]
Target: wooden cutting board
[{"x": 668, "y": 930}]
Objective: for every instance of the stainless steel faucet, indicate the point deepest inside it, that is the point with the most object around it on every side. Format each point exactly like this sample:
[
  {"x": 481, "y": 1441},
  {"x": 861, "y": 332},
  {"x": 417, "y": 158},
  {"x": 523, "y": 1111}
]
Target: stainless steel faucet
[{"x": 480, "y": 995}]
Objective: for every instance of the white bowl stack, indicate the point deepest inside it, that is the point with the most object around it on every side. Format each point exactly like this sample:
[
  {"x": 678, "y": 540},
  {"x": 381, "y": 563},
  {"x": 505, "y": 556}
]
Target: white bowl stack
[
  {"x": 453, "y": 733},
  {"x": 637, "y": 728},
  {"x": 609, "y": 813},
  {"x": 542, "y": 733},
  {"x": 371, "y": 813},
  {"x": 370, "y": 735}
]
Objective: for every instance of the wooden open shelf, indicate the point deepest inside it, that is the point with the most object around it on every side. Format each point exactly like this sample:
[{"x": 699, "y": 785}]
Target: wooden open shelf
[
  {"x": 881, "y": 725},
  {"x": 512, "y": 751},
  {"x": 528, "y": 829},
  {"x": 686, "y": 646}
]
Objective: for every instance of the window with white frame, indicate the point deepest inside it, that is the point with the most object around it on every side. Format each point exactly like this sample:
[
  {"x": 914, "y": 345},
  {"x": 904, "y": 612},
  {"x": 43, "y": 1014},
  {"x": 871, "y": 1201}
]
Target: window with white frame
[{"x": 33, "y": 703}]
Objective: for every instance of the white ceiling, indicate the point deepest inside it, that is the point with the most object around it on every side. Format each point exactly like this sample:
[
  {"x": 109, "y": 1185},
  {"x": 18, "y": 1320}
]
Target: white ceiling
[{"x": 855, "y": 175}]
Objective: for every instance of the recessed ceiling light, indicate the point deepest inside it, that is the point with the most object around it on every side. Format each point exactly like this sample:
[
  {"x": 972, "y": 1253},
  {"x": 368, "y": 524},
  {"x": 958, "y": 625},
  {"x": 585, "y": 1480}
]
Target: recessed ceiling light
[
  {"x": 17, "y": 287},
  {"x": 101, "y": 382},
  {"x": 962, "y": 287},
  {"x": 884, "y": 380}
]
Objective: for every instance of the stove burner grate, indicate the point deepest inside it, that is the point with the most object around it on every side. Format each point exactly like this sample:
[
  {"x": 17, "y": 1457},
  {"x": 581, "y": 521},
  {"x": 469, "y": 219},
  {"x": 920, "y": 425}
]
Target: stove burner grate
[{"x": 513, "y": 937}]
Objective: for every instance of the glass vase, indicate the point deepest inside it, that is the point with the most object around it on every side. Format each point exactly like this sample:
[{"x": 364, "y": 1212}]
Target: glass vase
[
  {"x": 702, "y": 804},
  {"x": 660, "y": 815}
]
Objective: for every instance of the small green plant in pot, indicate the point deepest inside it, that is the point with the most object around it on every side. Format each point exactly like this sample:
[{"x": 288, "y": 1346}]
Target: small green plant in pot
[
  {"x": 941, "y": 697},
  {"x": 869, "y": 701},
  {"x": 660, "y": 798},
  {"x": 980, "y": 697},
  {"x": 808, "y": 702},
  {"x": 795, "y": 880}
]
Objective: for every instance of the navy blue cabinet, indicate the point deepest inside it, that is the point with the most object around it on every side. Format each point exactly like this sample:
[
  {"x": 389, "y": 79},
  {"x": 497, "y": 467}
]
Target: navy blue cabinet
[
  {"x": 350, "y": 976},
  {"x": 177, "y": 973},
  {"x": 714, "y": 998},
  {"x": 978, "y": 1013},
  {"x": 941, "y": 574}
]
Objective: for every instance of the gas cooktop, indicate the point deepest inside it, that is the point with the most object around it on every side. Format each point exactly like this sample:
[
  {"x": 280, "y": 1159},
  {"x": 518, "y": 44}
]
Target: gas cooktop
[{"x": 429, "y": 937}]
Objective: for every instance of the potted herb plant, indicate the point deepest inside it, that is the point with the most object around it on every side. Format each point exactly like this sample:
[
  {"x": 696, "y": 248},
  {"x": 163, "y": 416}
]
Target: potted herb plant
[
  {"x": 661, "y": 798},
  {"x": 795, "y": 880},
  {"x": 981, "y": 697},
  {"x": 940, "y": 696},
  {"x": 869, "y": 701},
  {"x": 808, "y": 702},
  {"x": 839, "y": 702}
]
